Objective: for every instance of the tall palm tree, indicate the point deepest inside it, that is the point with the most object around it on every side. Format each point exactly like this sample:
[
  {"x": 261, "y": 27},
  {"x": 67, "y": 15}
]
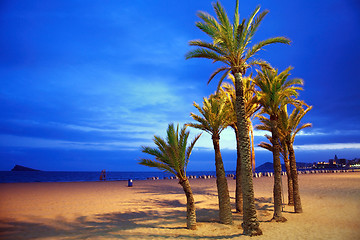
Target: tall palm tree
[
  {"x": 230, "y": 46},
  {"x": 214, "y": 118},
  {"x": 275, "y": 91},
  {"x": 289, "y": 127},
  {"x": 283, "y": 151},
  {"x": 251, "y": 106},
  {"x": 172, "y": 155},
  {"x": 285, "y": 155}
]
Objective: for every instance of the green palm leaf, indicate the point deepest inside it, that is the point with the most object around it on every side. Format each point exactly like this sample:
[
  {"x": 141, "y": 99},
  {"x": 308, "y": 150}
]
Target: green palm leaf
[
  {"x": 172, "y": 154},
  {"x": 257, "y": 47},
  {"x": 215, "y": 115},
  {"x": 230, "y": 41}
]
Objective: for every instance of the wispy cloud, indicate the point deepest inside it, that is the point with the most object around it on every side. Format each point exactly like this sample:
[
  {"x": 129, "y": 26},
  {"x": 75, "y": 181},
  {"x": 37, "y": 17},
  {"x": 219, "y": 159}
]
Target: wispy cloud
[
  {"x": 319, "y": 147},
  {"x": 323, "y": 132},
  {"x": 327, "y": 146},
  {"x": 31, "y": 142},
  {"x": 228, "y": 142}
]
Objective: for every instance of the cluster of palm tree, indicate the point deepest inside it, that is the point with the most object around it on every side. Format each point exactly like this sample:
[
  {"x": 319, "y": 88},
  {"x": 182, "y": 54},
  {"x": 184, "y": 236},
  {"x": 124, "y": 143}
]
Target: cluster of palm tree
[
  {"x": 266, "y": 96},
  {"x": 276, "y": 92},
  {"x": 288, "y": 127}
]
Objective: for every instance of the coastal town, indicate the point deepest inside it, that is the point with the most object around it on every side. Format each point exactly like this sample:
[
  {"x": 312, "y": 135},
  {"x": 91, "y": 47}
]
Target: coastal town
[{"x": 335, "y": 163}]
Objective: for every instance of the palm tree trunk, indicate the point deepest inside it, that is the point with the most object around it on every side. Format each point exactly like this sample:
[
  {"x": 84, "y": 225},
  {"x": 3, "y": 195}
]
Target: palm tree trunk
[
  {"x": 190, "y": 204},
  {"x": 294, "y": 175},
  {"x": 250, "y": 221},
  {"x": 252, "y": 145},
  {"x": 238, "y": 190},
  {"x": 222, "y": 186},
  {"x": 289, "y": 180},
  {"x": 278, "y": 217}
]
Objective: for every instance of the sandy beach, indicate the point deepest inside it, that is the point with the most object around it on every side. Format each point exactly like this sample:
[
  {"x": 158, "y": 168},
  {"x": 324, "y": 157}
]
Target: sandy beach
[{"x": 156, "y": 210}]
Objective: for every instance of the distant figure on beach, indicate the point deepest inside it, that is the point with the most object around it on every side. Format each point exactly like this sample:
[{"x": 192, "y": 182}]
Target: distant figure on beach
[{"x": 103, "y": 175}]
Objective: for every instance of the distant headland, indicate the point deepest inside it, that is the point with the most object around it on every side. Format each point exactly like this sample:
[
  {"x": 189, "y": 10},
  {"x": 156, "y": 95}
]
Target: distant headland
[{"x": 22, "y": 168}]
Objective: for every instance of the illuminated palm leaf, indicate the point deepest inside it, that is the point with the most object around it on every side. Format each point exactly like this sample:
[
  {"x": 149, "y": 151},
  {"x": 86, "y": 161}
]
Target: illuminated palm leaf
[
  {"x": 171, "y": 154},
  {"x": 215, "y": 115}
]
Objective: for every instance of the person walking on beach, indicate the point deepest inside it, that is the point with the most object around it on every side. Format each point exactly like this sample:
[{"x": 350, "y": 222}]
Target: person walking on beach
[{"x": 103, "y": 175}]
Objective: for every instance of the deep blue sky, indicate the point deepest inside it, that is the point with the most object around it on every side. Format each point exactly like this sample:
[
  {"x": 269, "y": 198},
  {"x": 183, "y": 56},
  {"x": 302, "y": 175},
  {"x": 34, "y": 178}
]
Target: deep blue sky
[{"x": 85, "y": 83}]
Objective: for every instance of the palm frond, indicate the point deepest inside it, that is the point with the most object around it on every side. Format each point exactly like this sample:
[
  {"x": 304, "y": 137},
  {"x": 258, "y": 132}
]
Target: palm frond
[
  {"x": 240, "y": 38},
  {"x": 250, "y": 21},
  {"x": 236, "y": 15},
  {"x": 215, "y": 115},
  {"x": 157, "y": 153},
  {"x": 190, "y": 148},
  {"x": 158, "y": 165},
  {"x": 276, "y": 90},
  {"x": 171, "y": 153},
  {"x": 257, "y": 47},
  {"x": 260, "y": 63},
  {"x": 210, "y": 46},
  {"x": 217, "y": 71},
  {"x": 255, "y": 25},
  {"x": 266, "y": 146},
  {"x": 204, "y": 53},
  {"x": 226, "y": 73},
  {"x": 222, "y": 16},
  {"x": 230, "y": 41},
  {"x": 210, "y": 26},
  {"x": 199, "y": 125},
  {"x": 303, "y": 126}
]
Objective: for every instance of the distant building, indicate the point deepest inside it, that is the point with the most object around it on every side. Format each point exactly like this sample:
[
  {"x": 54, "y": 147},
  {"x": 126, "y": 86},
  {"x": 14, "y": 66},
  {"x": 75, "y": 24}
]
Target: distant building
[
  {"x": 325, "y": 165},
  {"x": 338, "y": 163},
  {"x": 332, "y": 162},
  {"x": 341, "y": 162},
  {"x": 355, "y": 163}
]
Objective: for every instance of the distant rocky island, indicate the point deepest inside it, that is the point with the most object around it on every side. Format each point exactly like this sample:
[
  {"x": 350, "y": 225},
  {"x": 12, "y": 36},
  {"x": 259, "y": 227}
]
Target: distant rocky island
[{"x": 22, "y": 168}]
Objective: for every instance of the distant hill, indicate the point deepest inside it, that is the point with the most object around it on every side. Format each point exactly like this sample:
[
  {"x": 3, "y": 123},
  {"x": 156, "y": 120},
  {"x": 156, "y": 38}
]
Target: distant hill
[
  {"x": 269, "y": 167},
  {"x": 266, "y": 167},
  {"x": 22, "y": 168}
]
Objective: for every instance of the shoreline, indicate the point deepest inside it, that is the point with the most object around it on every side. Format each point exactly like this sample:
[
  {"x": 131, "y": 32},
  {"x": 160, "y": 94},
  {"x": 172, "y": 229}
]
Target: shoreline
[
  {"x": 17, "y": 177},
  {"x": 157, "y": 209}
]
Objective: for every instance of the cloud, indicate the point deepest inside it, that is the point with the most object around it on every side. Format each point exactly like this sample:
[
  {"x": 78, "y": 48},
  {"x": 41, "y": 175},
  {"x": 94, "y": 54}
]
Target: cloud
[
  {"x": 30, "y": 142},
  {"x": 328, "y": 132},
  {"x": 228, "y": 142},
  {"x": 328, "y": 146}
]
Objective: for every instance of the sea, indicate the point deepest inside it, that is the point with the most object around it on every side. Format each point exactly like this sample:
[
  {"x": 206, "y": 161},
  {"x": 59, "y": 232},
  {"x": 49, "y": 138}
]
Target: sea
[{"x": 52, "y": 176}]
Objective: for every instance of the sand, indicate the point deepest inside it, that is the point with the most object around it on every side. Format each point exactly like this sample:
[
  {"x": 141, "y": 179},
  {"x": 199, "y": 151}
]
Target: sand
[{"x": 156, "y": 210}]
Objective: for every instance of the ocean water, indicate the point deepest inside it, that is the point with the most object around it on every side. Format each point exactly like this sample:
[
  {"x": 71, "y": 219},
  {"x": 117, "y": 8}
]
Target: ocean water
[{"x": 49, "y": 176}]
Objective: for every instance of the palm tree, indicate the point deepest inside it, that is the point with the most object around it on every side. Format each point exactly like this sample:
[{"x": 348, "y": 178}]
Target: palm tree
[
  {"x": 172, "y": 155},
  {"x": 251, "y": 106},
  {"x": 283, "y": 151},
  {"x": 230, "y": 46},
  {"x": 289, "y": 127},
  {"x": 276, "y": 91},
  {"x": 285, "y": 155},
  {"x": 215, "y": 117}
]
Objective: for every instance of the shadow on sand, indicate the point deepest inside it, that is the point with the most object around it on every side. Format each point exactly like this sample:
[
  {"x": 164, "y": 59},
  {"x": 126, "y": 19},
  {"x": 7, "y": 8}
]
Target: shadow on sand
[
  {"x": 175, "y": 188},
  {"x": 123, "y": 225},
  {"x": 111, "y": 225}
]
